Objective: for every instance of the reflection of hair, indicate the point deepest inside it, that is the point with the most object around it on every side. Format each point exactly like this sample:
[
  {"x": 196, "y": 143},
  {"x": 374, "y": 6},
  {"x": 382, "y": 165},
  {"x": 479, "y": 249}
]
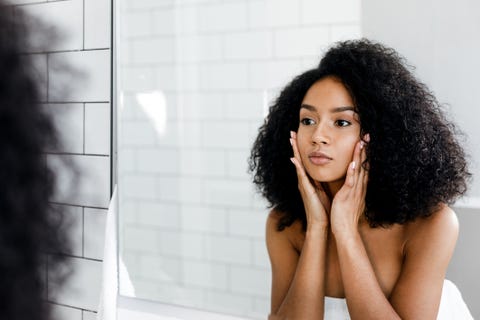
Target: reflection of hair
[
  {"x": 29, "y": 226},
  {"x": 415, "y": 160}
]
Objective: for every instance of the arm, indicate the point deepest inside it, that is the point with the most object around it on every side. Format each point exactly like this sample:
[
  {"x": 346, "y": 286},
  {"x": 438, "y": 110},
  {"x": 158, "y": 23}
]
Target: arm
[
  {"x": 365, "y": 298},
  {"x": 428, "y": 249},
  {"x": 418, "y": 290},
  {"x": 298, "y": 283},
  {"x": 297, "y": 280}
]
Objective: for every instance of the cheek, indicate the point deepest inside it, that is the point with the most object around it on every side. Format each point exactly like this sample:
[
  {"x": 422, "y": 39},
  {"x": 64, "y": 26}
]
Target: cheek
[
  {"x": 348, "y": 149},
  {"x": 301, "y": 141},
  {"x": 303, "y": 147}
]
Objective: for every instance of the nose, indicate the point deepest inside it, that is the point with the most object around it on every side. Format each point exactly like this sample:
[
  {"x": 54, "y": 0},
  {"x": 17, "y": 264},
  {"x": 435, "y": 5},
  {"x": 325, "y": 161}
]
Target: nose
[{"x": 321, "y": 135}]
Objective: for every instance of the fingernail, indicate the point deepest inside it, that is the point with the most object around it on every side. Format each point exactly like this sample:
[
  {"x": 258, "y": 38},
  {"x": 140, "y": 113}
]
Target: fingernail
[
  {"x": 291, "y": 141},
  {"x": 362, "y": 144},
  {"x": 353, "y": 165},
  {"x": 366, "y": 137},
  {"x": 293, "y": 160}
]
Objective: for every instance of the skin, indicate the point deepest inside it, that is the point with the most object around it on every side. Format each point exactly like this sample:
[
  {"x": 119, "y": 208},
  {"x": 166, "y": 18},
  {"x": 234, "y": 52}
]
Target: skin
[{"x": 384, "y": 273}]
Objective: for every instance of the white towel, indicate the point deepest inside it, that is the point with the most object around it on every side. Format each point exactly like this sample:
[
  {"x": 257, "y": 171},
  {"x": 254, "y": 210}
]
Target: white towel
[
  {"x": 452, "y": 306},
  {"x": 107, "y": 309}
]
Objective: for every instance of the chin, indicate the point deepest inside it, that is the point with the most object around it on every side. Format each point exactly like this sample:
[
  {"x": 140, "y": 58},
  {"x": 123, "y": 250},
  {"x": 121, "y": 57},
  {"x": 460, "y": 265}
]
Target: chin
[{"x": 326, "y": 178}]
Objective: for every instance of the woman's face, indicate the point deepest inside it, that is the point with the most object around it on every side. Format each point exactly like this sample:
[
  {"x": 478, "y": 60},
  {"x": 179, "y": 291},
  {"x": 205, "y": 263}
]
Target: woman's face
[{"x": 328, "y": 130}]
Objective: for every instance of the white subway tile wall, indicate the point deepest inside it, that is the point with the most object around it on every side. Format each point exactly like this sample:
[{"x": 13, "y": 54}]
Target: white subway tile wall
[
  {"x": 90, "y": 82},
  {"x": 64, "y": 313},
  {"x": 67, "y": 16},
  {"x": 70, "y": 129},
  {"x": 192, "y": 225},
  {"x": 97, "y": 128},
  {"x": 88, "y": 315},
  {"x": 83, "y": 287},
  {"x": 40, "y": 66},
  {"x": 77, "y": 71},
  {"x": 96, "y": 24},
  {"x": 92, "y": 187},
  {"x": 94, "y": 232},
  {"x": 74, "y": 223}
]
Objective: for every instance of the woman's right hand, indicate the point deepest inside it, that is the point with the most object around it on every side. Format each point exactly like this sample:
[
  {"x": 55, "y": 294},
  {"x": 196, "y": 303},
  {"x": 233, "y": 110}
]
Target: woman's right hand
[{"x": 316, "y": 201}]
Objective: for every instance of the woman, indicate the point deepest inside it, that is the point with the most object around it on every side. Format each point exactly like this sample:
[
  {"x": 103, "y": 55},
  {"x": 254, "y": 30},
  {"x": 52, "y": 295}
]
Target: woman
[{"x": 360, "y": 226}]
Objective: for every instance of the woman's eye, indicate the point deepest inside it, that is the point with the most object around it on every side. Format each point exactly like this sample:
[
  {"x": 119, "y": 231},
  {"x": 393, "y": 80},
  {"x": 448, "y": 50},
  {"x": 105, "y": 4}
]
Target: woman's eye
[
  {"x": 342, "y": 123},
  {"x": 307, "y": 121}
]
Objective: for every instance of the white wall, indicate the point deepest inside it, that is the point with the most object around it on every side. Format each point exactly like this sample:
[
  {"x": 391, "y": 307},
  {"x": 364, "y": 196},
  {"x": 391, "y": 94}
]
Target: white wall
[{"x": 83, "y": 118}]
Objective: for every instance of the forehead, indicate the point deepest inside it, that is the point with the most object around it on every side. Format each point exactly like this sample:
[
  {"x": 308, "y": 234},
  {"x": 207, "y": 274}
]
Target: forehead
[{"x": 328, "y": 92}]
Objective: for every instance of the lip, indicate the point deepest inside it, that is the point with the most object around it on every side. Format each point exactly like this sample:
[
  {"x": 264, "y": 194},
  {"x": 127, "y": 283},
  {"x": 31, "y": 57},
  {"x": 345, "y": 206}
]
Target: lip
[{"x": 319, "y": 158}]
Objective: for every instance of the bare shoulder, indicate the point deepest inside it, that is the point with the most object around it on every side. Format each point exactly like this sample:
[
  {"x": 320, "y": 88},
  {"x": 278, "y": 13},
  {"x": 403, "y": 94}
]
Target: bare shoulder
[
  {"x": 292, "y": 234},
  {"x": 441, "y": 226},
  {"x": 427, "y": 252},
  {"x": 444, "y": 219},
  {"x": 283, "y": 254}
]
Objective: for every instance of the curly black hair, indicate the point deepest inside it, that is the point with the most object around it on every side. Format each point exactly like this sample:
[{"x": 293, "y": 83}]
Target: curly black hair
[
  {"x": 414, "y": 155},
  {"x": 32, "y": 230}
]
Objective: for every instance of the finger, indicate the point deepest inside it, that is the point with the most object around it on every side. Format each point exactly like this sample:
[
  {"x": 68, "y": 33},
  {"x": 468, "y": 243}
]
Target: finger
[
  {"x": 355, "y": 165},
  {"x": 365, "y": 168},
  {"x": 298, "y": 167},
  {"x": 350, "y": 178},
  {"x": 365, "y": 140},
  {"x": 296, "y": 156},
  {"x": 363, "y": 151},
  {"x": 363, "y": 158},
  {"x": 365, "y": 165},
  {"x": 361, "y": 186},
  {"x": 296, "y": 153},
  {"x": 357, "y": 154},
  {"x": 361, "y": 176},
  {"x": 304, "y": 183},
  {"x": 297, "y": 161},
  {"x": 293, "y": 141}
]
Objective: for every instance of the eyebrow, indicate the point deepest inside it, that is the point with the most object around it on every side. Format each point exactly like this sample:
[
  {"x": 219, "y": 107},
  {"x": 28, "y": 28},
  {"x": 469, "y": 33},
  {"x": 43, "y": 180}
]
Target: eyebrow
[{"x": 334, "y": 110}]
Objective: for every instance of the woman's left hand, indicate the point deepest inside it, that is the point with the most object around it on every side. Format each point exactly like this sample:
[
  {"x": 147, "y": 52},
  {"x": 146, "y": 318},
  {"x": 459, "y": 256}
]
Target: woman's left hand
[{"x": 349, "y": 203}]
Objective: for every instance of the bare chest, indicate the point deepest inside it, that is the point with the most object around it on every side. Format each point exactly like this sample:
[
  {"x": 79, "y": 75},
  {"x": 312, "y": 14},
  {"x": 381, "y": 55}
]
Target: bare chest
[{"x": 384, "y": 248}]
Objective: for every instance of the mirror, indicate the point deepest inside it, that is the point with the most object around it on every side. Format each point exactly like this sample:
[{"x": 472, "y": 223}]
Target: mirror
[{"x": 195, "y": 79}]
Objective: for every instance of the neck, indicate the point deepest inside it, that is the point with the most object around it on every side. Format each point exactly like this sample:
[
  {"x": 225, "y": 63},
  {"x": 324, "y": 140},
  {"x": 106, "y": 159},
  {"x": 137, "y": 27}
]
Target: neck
[{"x": 331, "y": 188}]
